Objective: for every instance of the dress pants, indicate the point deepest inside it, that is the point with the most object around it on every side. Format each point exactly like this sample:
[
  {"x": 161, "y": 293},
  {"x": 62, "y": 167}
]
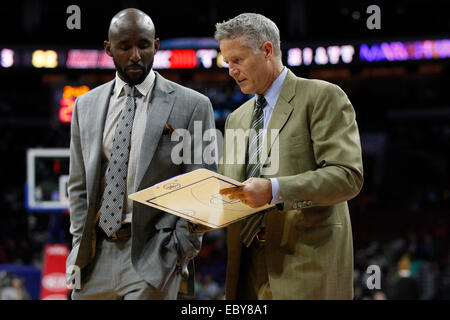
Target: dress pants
[
  {"x": 253, "y": 277},
  {"x": 111, "y": 276}
]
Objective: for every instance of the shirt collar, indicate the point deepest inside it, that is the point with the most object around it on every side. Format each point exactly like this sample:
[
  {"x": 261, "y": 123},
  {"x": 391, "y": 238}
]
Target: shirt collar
[
  {"x": 143, "y": 88},
  {"x": 271, "y": 95}
]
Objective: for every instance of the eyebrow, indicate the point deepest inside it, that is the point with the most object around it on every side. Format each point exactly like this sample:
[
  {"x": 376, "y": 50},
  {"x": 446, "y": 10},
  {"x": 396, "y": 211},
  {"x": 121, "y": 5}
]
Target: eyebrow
[
  {"x": 140, "y": 40},
  {"x": 231, "y": 58}
]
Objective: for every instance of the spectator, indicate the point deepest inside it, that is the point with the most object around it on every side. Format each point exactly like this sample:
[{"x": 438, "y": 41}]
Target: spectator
[
  {"x": 379, "y": 295},
  {"x": 405, "y": 287},
  {"x": 15, "y": 291},
  {"x": 209, "y": 289}
]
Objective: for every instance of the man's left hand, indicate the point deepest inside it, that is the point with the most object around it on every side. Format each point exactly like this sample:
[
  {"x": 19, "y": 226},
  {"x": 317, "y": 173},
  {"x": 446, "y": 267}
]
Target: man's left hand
[{"x": 255, "y": 192}]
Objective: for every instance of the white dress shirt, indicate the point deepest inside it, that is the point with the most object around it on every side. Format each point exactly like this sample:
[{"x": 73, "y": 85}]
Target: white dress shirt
[
  {"x": 271, "y": 95},
  {"x": 116, "y": 104}
]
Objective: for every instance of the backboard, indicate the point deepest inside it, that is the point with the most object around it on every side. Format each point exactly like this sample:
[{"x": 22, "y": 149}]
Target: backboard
[{"x": 47, "y": 176}]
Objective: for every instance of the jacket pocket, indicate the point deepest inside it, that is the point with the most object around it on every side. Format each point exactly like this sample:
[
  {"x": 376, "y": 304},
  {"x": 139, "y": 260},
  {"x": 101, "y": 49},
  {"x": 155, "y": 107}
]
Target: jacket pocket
[{"x": 296, "y": 230}]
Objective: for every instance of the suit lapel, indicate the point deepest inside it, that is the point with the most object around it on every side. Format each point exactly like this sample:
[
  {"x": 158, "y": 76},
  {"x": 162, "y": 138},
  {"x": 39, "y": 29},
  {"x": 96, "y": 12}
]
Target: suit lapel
[
  {"x": 244, "y": 124},
  {"x": 160, "y": 107},
  {"x": 280, "y": 115},
  {"x": 98, "y": 118}
]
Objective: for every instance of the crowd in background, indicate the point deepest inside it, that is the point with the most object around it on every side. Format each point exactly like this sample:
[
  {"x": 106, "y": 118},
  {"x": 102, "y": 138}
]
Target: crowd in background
[{"x": 412, "y": 267}]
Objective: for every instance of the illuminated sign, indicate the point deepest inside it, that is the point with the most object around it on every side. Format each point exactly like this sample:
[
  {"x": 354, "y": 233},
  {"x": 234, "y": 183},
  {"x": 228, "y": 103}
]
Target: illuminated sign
[
  {"x": 105, "y": 61},
  {"x": 402, "y": 51},
  {"x": 68, "y": 101},
  {"x": 206, "y": 57},
  {"x": 89, "y": 59},
  {"x": 210, "y": 57},
  {"x": 306, "y": 56},
  {"x": 164, "y": 59},
  {"x": 82, "y": 59},
  {"x": 175, "y": 59},
  {"x": 44, "y": 59},
  {"x": 7, "y": 58},
  {"x": 183, "y": 59},
  {"x": 320, "y": 55},
  {"x": 220, "y": 62}
]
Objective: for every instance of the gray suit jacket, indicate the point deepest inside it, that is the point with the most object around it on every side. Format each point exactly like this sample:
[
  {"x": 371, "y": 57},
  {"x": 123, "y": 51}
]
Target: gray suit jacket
[{"x": 160, "y": 241}]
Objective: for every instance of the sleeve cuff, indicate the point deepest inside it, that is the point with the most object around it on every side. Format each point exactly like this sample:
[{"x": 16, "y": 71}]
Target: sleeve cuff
[{"x": 276, "y": 196}]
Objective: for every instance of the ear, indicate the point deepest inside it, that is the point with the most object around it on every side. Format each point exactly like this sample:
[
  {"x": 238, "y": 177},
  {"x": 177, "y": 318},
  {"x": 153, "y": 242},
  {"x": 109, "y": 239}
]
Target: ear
[
  {"x": 267, "y": 48},
  {"x": 107, "y": 46},
  {"x": 157, "y": 44}
]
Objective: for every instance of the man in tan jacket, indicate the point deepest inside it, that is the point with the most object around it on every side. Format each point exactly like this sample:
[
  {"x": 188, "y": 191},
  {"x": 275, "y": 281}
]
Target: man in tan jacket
[{"x": 302, "y": 153}]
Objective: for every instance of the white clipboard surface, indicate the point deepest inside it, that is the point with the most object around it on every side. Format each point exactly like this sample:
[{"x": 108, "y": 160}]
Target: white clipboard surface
[{"x": 195, "y": 196}]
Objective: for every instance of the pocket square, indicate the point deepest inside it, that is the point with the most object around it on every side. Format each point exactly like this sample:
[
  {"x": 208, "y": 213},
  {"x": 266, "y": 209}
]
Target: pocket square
[{"x": 168, "y": 129}]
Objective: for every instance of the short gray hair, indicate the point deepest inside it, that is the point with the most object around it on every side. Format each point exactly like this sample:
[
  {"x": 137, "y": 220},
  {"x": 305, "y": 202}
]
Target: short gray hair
[{"x": 254, "y": 28}]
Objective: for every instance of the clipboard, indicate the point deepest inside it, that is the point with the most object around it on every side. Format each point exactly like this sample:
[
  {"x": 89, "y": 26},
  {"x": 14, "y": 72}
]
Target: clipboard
[{"x": 195, "y": 196}]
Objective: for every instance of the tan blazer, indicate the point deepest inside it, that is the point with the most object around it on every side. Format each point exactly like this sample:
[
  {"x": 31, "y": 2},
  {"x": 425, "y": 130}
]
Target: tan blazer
[{"x": 310, "y": 249}]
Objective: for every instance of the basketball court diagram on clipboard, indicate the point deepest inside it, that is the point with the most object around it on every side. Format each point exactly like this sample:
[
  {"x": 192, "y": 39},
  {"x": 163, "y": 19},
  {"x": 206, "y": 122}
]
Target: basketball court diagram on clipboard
[{"x": 196, "y": 196}]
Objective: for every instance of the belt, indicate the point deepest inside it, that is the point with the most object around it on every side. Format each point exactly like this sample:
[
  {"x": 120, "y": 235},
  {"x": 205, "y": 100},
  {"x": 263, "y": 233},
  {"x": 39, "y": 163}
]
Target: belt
[{"x": 122, "y": 234}]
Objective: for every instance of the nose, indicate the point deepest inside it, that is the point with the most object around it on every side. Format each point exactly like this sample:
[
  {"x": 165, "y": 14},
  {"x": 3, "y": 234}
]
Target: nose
[
  {"x": 232, "y": 71},
  {"x": 135, "y": 55}
]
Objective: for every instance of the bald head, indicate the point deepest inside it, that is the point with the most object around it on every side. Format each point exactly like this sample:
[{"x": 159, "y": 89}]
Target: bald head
[
  {"x": 128, "y": 19},
  {"x": 132, "y": 44}
]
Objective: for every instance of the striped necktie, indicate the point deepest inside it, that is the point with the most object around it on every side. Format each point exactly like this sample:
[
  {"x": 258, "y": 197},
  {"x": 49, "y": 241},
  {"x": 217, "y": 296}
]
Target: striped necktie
[
  {"x": 252, "y": 224},
  {"x": 113, "y": 201}
]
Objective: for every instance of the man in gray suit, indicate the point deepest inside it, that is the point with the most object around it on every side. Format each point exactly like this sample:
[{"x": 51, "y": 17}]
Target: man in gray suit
[{"x": 121, "y": 143}]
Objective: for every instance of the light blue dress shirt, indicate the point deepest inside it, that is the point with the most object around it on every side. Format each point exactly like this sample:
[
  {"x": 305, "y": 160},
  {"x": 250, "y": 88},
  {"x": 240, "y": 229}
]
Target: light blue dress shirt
[{"x": 271, "y": 95}]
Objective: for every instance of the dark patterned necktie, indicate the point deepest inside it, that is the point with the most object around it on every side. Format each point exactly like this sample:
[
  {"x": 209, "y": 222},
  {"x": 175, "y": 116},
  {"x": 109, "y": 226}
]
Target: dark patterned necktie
[
  {"x": 252, "y": 224},
  {"x": 113, "y": 201}
]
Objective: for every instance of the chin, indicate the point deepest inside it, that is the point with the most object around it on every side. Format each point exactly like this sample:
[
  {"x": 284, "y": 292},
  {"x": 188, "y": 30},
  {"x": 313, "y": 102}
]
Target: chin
[
  {"x": 245, "y": 90},
  {"x": 136, "y": 80},
  {"x": 136, "y": 77}
]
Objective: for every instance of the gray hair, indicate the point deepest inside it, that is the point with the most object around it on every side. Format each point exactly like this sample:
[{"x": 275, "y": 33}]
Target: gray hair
[{"x": 255, "y": 29}]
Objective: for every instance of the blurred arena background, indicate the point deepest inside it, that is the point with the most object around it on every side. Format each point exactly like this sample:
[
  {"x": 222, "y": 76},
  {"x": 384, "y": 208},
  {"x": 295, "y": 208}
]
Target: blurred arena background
[{"x": 397, "y": 78}]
